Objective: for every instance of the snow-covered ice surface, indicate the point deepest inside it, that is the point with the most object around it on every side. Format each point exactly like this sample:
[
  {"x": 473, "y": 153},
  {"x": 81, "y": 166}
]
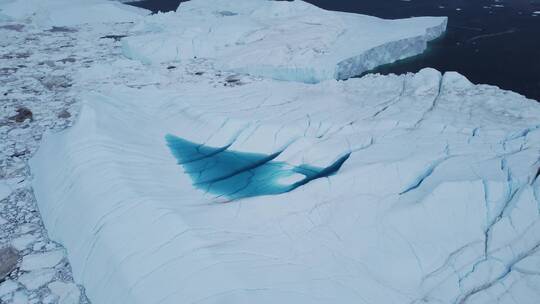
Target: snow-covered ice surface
[
  {"x": 283, "y": 40},
  {"x": 437, "y": 202},
  {"x": 69, "y": 12}
]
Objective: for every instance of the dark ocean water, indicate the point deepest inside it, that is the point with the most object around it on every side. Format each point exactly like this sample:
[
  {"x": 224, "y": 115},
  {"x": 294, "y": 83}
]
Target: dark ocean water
[{"x": 489, "y": 41}]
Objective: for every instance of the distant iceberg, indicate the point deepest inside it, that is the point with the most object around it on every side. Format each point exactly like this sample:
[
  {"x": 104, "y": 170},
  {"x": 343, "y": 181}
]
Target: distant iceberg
[
  {"x": 283, "y": 40},
  {"x": 69, "y": 12}
]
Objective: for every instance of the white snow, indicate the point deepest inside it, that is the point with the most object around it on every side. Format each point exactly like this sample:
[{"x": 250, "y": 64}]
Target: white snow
[
  {"x": 280, "y": 39},
  {"x": 41, "y": 260},
  {"x": 70, "y": 12},
  {"x": 426, "y": 207},
  {"x": 36, "y": 278},
  {"x": 68, "y": 293}
]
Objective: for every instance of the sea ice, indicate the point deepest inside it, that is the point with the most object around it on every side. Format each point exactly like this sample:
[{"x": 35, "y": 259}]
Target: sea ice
[
  {"x": 41, "y": 260},
  {"x": 20, "y": 297},
  {"x": 23, "y": 241},
  {"x": 279, "y": 39},
  {"x": 68, "y": 293},
  {"x": 36, "y": 278},
  {"x": 7, "y": 287},
  {"x": 5, "y": 190}
]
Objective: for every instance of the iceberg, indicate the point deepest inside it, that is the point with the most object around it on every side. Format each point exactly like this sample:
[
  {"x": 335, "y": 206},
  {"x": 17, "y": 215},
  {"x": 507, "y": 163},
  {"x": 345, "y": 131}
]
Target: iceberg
[
  {"x": 283, "y": 40},
  {"x": 69, "y": 12},
  {"x": 438, "y": 201}
]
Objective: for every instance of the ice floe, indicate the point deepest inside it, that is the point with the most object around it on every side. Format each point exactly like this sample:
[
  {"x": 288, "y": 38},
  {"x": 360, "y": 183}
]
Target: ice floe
[
  {"x": 36, "y": 278},
  {"x": 7, "y": 287},
  {"x": 67, "y": 293},
  {"x": 41, "y": 260}
]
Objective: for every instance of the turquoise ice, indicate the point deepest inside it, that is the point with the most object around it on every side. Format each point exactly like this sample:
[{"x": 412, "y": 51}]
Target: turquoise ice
[{"x": 236, "y": 175}]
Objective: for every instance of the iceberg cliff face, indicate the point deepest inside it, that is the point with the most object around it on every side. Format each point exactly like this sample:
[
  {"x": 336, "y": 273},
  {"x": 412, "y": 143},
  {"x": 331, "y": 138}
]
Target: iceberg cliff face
[
  {"x": 283, "y": 40},
  {"x": 437, "y": 202}
]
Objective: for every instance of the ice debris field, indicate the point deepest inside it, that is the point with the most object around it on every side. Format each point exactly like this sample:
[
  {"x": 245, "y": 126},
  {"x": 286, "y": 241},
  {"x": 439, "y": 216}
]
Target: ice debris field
[{"x": 195, "y": 174}]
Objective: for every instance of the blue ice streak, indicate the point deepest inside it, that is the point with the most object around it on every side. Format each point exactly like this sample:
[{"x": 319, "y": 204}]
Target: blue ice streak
[{"x": 237, "y": 175}]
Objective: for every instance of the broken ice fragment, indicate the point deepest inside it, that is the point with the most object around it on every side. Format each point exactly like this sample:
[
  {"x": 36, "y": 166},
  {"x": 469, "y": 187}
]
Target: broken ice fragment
[
  {"x": 68, "y": 293},
  {"x": 37, "y": 278},
  {"x": 42, "y": 260}
]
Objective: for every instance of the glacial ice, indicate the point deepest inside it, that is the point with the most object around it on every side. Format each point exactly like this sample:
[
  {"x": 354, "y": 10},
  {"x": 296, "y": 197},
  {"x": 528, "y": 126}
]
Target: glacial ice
[
  {"x": 235, "y": 175},
  {"x": 437, "y": 202},
  {"x": 283, "y": 40},
  {"x": 69, "y": 12}
]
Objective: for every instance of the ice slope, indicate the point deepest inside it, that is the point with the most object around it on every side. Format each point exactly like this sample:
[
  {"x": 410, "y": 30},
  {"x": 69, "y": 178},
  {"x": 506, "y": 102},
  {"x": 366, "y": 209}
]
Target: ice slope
[
  {"x": 69, "y": 12},
  {"x": 284, "y": 40},
  {"x": 437, "y": 203}
]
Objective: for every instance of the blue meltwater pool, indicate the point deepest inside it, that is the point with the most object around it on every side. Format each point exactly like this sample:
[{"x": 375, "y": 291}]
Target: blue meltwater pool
[{"x": 235, "y": 175}]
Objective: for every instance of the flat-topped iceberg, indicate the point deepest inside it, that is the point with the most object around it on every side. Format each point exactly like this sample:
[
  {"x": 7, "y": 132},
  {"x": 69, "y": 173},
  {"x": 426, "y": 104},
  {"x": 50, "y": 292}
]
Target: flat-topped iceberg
[
  {"x": 437, "y": 202},
  {"x": 69, "y": 12},
  {"x": 284, "y": 40}
]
